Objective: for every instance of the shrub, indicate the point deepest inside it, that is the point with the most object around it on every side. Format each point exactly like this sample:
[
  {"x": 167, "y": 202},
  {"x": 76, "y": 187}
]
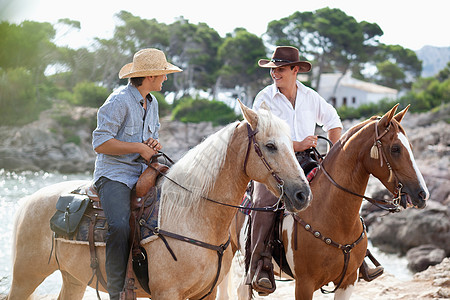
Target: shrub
[
  {"x": 89, "y": 94},
  {"x": 366, "y": 110},
  {"x": 200, "y": 110},
  {"x": 164, "y": 107}
]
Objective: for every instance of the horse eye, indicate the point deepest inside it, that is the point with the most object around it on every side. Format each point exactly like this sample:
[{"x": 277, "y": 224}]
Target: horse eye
[
  {"x": 271, "y": 146},
  {"x": 395, "y": 149}
]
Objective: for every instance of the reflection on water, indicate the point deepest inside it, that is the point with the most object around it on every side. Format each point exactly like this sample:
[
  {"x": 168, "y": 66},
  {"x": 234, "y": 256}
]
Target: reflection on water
[{"x": 14, "y": 186}]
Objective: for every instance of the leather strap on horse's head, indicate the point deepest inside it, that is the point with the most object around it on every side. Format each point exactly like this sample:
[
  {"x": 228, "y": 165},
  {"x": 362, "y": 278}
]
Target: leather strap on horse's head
[
  {"x": 252, "y": 140},
  {"x": 377, "y": 152}
]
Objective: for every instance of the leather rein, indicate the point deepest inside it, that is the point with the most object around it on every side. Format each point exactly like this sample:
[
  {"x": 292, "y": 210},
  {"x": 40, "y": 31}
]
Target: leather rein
[
  {"x": 391, "y": 206},
  {"x": 221, "y": 248}
]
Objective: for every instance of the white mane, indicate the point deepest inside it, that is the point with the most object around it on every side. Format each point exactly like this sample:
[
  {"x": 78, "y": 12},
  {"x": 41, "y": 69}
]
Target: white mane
[{"x": 196, "y": 171}]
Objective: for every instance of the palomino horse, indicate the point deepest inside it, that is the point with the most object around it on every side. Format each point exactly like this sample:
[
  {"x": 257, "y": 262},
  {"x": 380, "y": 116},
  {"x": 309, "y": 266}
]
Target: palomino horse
[
  {"x": 327, "y": 241},
  {"x": 217, "y": 169}
]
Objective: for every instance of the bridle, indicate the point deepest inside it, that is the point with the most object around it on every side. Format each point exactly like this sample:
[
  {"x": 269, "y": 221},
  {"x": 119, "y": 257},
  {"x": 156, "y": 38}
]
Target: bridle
[
  {"x": 252, "y": 140},
  {"x": 221, "y": 248},
  {"x": 376, "y": 152}
]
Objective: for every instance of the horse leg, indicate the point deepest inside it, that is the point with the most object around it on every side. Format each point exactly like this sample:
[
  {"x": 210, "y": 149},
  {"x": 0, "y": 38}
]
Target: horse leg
[
  {"x": 244, "y": 291},
  {"x": 346, "y": 291},
  {"x": 223, "y": 287},
  {"x": 28, "y": 274},
  {"x": 304, "y": 289},
  {"x": 72, "y": 288},
  {"x": 23, "y": 288}
]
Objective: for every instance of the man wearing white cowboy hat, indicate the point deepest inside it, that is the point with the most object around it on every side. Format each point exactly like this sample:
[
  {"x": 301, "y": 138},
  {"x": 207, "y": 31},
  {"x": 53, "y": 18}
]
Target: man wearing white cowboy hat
[
  {"x": 127, "y": 129},
  {"x": 302, "y": 108}
]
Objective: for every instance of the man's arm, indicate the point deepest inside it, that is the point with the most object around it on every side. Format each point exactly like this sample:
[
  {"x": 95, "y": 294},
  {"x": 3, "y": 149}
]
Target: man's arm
[
  {"x": 334, "y": 134},
  {"x": 311, "y": 141},
  {"x": 117, "y": 147}
]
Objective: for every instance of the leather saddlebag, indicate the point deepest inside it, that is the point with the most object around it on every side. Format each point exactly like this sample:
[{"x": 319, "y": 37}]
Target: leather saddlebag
[{"x": 69, "y": 211}]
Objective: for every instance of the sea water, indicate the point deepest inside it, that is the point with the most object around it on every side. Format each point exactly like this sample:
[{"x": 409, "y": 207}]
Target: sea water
[{"x": 13, "y": 187}]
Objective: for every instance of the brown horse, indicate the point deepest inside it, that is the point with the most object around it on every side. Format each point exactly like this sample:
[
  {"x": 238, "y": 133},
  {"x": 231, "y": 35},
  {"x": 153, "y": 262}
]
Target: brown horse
[
  {"x": 327, "y": 241},
  {"x": 217, "y": 169}
]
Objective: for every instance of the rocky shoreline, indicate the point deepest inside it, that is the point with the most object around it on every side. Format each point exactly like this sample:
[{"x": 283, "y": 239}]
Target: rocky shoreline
[{"x": 61, "y": 141}]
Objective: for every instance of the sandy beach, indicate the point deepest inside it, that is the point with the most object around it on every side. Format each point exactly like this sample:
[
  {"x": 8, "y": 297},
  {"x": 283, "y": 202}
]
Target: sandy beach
[{"x": 433, "y": 283}]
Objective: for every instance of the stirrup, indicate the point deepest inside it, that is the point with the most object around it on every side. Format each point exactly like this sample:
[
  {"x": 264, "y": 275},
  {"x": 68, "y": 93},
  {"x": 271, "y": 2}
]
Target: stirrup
[
  {"x": 367, "y": 273},
  {"x": 261, "y": 284}
]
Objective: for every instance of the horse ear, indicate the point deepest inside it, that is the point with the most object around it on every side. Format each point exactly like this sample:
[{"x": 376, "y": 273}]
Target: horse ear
[
  {"x": 264, "y": 106},
  {"x": 249, "y": 115},
  {"x": 400, "y": 115},
  {"x": 386, "y": 119}
]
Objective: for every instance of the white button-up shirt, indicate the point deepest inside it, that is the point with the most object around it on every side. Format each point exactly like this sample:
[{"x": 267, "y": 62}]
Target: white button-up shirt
[{"x": 310, "y": 109}]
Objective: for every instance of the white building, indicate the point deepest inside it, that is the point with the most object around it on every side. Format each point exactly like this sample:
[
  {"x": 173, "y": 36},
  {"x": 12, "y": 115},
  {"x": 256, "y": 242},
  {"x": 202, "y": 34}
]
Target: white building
[{"x": 352, "y": 92}]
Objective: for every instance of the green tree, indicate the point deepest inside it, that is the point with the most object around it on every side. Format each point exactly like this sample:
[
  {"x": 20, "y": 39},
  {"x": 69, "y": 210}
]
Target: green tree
[
  {"x": 334, "y": 40},
  {"x": 18, "y": 101},
  {"x": 239, "y": 54},
  {"x": 390, "y": 75},
  {"x": 193, "y": 48},
  {"x": 26, "y": 51},
  {"x": 444, "y": 74},
  {"x": 406, "y": 62}
]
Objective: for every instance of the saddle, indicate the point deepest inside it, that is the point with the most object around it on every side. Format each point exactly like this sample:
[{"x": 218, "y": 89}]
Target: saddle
[
  {"x": 308, "y": 162},
  {"x": 92, "y": 227}
]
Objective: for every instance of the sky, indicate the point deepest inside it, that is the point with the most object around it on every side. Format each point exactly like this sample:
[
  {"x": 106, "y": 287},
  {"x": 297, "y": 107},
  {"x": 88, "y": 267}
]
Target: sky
[{"x": 409, "y": 23}]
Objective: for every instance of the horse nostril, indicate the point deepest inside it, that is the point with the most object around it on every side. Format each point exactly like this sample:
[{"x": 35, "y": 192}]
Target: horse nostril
[
  {"x": 303, "y": 195},
  {"x": 422, "y": 194},
  {"x": 300, "y": 196}
]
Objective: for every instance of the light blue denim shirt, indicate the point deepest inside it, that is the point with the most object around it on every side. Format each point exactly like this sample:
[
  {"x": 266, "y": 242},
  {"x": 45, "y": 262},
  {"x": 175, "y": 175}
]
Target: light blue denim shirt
[{"x": 123, "y": 117}]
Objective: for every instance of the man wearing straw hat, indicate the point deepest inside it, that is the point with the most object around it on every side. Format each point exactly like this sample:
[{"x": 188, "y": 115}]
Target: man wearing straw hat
[{"x": 127, "y": 129}]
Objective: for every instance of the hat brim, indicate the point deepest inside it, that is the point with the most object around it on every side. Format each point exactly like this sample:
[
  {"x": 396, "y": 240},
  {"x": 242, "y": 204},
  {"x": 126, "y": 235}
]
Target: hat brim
[
  {"x": 126, "y": 71},
  {"x": 305, "y": 66}
]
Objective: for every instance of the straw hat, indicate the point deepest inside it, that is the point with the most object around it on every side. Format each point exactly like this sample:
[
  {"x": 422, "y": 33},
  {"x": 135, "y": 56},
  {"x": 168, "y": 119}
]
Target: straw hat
[
  {"x": 148, "y": 62},
  {"x": 285, "y": 56}
]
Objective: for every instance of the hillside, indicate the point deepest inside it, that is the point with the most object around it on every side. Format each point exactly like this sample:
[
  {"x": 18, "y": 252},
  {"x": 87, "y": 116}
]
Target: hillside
[{"x": 434, "y": 59}]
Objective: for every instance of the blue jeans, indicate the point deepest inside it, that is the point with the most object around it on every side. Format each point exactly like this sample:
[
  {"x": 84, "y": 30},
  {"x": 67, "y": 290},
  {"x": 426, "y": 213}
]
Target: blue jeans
[{"x": 115, "y": 199}]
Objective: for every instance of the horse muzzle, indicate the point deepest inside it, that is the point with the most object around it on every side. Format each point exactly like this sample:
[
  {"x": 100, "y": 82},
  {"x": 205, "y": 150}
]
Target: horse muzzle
[
  {"x": 296, "y": 198},
  {"x": 417, "y": 201}
]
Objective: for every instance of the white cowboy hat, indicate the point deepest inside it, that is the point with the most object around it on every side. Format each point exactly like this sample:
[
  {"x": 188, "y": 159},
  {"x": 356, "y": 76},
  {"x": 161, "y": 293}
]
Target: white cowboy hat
[{"x": 148, "y": 62}]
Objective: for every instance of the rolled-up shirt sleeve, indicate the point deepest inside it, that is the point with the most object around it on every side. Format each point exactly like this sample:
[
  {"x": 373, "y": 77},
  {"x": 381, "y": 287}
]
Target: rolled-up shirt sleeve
[
  {"x": 328, "y": 116},
  {"x": 110, "y": 117}
]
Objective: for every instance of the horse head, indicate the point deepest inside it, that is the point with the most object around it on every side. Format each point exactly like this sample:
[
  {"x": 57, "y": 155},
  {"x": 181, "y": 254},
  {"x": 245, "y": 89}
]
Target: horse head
[
  {"x": 391, "y": 159},
  {"x": 273, "y": 160}
]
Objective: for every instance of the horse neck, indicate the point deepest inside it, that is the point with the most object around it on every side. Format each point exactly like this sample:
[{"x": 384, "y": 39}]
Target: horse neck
[
  {"x": 210, "y": 221},
  {"x": 346, "y": 169}
]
